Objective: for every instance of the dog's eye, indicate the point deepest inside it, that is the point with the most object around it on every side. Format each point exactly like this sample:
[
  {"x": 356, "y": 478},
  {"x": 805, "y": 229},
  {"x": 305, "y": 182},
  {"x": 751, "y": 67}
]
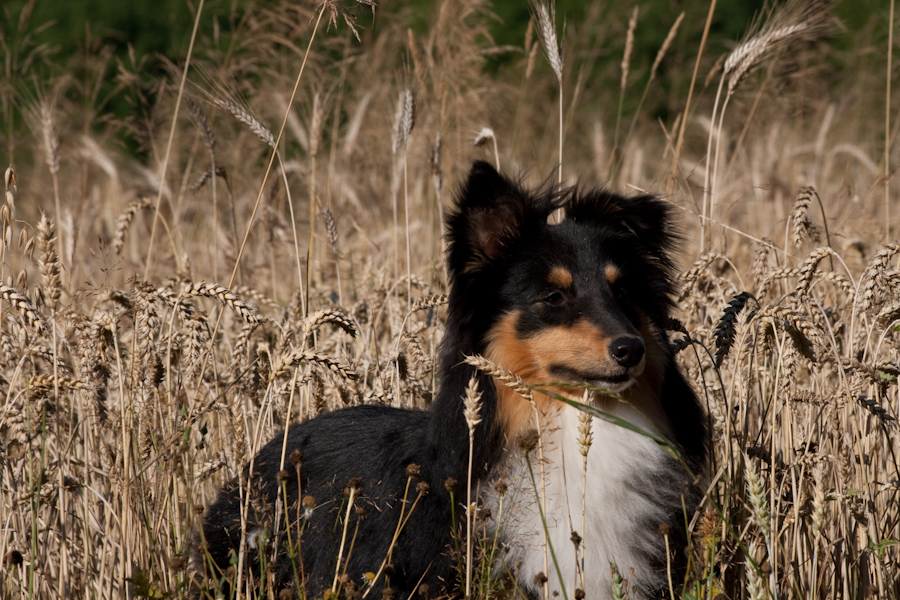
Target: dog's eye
[{"x": 555, "y": 299}]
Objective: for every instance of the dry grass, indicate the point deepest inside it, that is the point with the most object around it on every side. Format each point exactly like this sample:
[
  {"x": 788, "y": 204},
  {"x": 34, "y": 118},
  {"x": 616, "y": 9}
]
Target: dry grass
[{"x": 129, "y": 397}]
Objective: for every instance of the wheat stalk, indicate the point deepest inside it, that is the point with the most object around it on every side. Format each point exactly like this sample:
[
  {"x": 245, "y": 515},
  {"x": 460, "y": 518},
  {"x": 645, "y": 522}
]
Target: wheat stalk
[
  {"x": 585, "y": 440},
  {"x": 427, "y": 302},
  {"x": 472, "y": 414},
  {"x": 315, "y": 125},
  {"x": 504, "y": 375},
  {"x": 169, "y": 143},
  {"x": 124, "y": 220},
  {"x": 626, "y": 62},
  {"x": 788, "y": 23},
  {"x": 808, "y": 269},
  {"x": 802, "y": 226},
  {"x": 22, "y": 306},
  {"x": 482, "y": 138},
  {"x": 404, "y": 118},
  {"x": 546, "y": 16},
  {"x": 873, "y": 277},
  {"x": 356, "y": 124},
  {"x": 209, "y": 140},
  {"x": 760, "y": 509},
  {"x": 327, "y": 315},
  {"x": 742, "y": 59},
  {"x": 298, "y": 356},
  {"x": 244, "y": 116},
  {"x": 49, "y": 262},
  {"x": 656, "y": 62},
  {"x": 50, "y": 137},
  {"x": 331, "y": 230},
  {"x": 223, "y": 295},
  {"x": 200, "y": 118},
  {"x": 756, "y": 587}
]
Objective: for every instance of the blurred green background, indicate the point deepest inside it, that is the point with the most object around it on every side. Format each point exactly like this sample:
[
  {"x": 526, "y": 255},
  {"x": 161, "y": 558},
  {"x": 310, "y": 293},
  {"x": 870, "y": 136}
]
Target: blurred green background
[
  {"x": 45, "y": 40},
  {"x": 164, "y": 26}
]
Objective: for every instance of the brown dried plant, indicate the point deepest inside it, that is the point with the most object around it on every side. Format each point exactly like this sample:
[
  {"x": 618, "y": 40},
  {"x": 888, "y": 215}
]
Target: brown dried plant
[{"x": 128, "y": 397}]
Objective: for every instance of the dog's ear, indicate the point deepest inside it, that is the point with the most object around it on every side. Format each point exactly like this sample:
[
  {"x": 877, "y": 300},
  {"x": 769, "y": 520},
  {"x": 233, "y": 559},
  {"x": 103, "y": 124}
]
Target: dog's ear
[
  {"x": 492, "y": 213},
  {"x": 645, "y": 217}
]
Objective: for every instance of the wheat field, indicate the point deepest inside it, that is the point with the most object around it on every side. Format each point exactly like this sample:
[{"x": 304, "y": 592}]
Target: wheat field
[{"x": 265, "y": 245}]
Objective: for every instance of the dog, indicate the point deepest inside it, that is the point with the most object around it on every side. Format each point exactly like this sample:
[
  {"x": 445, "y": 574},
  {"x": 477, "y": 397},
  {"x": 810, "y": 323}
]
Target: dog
[{"x": 584, "y": 301}]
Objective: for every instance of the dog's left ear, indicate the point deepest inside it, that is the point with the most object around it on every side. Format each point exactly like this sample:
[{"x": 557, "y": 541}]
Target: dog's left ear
[
  {"x": 492, "y": 214},
  {"x": 647, "y": 218}
]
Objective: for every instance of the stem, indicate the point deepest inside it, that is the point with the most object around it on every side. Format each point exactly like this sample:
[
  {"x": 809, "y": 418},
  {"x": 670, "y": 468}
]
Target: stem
[
  {"x": 497, "y": 154},
  {"x": 543, "y": 502},
  {"x": 490, "y": 562},
  {"x": 165, "y": 166},
  {"x": 406, "y": 217},
  {"x": 311, "y": 246},
  {"x": 615, "y": 151},
  {"x": 621, "y": 155},
  {"x": 337, "y": 567},
  {"x": 469, "y": 518},
  {"x": 887, "y": 130},
  {"x": 706, "y": 181},
  {"x": 287, "y": 190},
  {"x": 561, "y": 127},
  {"x": 669, "y": 568},
  {"x": 714, "y": 180},
  {"x": 583, "y": 530},
  {"x": 237, "y": 261},
  {"x": 212, "y": 168},
  {"x": 687, "y": 106},
  {"x": 400, "y": 525}
]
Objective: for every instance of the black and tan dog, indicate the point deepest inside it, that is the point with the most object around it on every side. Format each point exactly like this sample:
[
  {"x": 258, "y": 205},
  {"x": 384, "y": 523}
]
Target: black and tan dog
[{"x": 586, "y": 301}]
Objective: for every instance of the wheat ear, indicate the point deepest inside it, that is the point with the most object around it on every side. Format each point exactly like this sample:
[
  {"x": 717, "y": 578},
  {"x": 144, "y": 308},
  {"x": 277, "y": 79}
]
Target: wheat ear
[
  {"x": 482, "y": 138},
  {"x": 788, "y": 23},
  {"x": 546, "y": 16},
  {"x": 472, "y": 414}
]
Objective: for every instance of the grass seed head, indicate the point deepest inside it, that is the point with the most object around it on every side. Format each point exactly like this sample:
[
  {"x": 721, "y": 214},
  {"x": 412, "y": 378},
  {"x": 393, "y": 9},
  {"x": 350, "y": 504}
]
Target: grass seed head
[
  {"x": 472, "y": 405},
  {"x": 49, "y": 262},
  {"x": 546, "y": 18},
  {"x": 629, "y": 46}
]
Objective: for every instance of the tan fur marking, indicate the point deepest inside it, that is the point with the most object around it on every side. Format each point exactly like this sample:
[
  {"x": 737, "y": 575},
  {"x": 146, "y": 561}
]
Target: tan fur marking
[
  {"x": 582, "y": 347},
  {"x": 612, "y": 274},
  {"x": 506, "y": 349},
  {"x": 561, "y": 277}
]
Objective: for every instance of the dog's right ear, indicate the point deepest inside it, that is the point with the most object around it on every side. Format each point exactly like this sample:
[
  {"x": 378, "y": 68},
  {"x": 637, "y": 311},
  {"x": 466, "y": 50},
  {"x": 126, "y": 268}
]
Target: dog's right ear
[{"x": 490, "y": 214}]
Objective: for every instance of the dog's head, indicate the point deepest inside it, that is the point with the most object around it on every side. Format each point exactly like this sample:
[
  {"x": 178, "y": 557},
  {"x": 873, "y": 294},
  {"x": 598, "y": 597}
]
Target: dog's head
[{"x": 584, "y": 300}]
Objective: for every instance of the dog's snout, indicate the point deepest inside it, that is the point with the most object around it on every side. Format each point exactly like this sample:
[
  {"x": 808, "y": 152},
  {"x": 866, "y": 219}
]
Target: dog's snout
[{"x": 627, "y": 351}]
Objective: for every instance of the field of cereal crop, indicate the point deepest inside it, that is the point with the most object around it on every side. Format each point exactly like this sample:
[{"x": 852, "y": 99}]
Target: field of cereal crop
[{"x": 187, "y": 239}]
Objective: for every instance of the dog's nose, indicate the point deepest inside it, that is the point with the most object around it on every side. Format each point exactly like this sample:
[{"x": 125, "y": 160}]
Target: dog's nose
[{"x": 628, "y": 351}]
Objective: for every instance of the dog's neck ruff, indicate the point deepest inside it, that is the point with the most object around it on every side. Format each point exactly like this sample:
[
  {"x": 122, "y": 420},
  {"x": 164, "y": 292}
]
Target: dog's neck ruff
[{"x": 631, "y": 488}]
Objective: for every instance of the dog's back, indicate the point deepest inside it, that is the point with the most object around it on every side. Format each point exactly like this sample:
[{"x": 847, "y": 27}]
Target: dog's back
[{"x": 369, "y": 447}]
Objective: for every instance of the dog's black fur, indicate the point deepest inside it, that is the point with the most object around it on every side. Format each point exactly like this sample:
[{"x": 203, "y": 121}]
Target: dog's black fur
[{"x": 501, "y": 249}]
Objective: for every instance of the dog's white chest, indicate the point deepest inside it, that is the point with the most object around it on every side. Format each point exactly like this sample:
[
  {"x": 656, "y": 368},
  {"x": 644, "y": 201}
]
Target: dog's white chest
[{"x": 631, "y": 487}]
